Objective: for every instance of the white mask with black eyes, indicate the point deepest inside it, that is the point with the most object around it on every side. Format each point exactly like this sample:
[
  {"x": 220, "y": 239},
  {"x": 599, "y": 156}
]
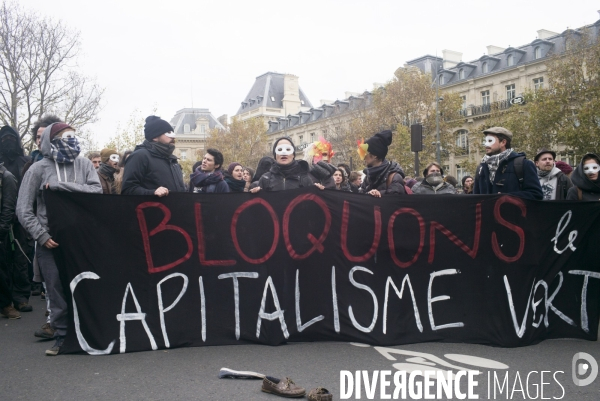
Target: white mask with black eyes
[
  {"x": 284, "y": 149},
  {"x": 114, "y": 158},
  {"x": 591, "y": 168},
  {"x": 489, "y": 140}
]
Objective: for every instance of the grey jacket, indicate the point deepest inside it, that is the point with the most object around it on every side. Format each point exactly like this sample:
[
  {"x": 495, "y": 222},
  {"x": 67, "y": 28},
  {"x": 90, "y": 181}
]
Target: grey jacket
[
  {"x": 79, "y": 176},
  {"x": 424, "y": 188}
]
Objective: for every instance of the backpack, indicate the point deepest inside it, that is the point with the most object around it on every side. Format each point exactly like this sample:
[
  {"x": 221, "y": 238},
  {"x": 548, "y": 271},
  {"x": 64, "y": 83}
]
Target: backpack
[
  {"x": 389, "y": 182},
  {"x": 518, "y": 164}
]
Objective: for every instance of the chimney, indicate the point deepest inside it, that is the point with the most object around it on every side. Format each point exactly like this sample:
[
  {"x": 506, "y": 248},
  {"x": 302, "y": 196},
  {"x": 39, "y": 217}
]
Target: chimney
[
  {"x": 544, "y": 33},
  {"x": 491, "y": 49},
  {"x": 291, "y": 95},
  {"x": 451, "y": 58}
]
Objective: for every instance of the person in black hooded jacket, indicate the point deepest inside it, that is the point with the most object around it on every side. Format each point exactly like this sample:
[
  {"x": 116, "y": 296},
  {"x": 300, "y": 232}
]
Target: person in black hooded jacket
[
  {"x": 152, "y": 169},
  {"x": 382, "y": 177},
  {"x": 11, "y": 152},
  {"x": 585, "y": 179},
  {"x": 287, "y": 172}
]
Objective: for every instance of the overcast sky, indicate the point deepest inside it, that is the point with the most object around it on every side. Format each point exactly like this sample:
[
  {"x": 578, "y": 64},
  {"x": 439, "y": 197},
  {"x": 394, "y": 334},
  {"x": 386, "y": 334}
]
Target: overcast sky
[{"x": 172, "y": 54}]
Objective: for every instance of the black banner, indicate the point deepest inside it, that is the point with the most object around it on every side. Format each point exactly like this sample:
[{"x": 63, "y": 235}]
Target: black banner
[{"x": 309, "y": 265}]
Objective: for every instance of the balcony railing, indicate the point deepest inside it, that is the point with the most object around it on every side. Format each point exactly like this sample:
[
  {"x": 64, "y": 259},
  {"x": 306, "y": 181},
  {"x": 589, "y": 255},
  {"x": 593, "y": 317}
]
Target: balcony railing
[{"x": 484, "y": 108}]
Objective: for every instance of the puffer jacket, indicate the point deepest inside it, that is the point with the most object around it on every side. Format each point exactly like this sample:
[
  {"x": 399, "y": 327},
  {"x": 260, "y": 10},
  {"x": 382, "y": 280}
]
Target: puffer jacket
[
  {"x": 322, "y": 173},
  {"x": 79, "y": 176},
  {"x": 379, "y": 182},
  {"x": 425, "y": 188},
  {"x": 590, "y": 190},
  {"x": 296, "y": 177}
]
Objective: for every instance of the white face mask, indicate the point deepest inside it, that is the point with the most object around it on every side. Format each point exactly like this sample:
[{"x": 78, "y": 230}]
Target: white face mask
[
  {"x": 284, "y": 149},
  {"x": 170, "y": 134},
  {"x": 489, "y": 140},
  {"x": 591, "y": 168},
  {"x": 114, "y": 158}
]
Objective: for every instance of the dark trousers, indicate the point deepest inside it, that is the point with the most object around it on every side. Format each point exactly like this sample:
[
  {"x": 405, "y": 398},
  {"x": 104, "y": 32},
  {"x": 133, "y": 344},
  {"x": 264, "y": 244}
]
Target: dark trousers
[
  {"x": 54, "y": 290},
  {"x": 5, "y": 293},
  {"x": 15, "y": 271}
]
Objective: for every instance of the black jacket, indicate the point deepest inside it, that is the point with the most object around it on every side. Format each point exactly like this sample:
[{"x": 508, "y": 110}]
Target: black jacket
[
  {"x": 16, "y": 161},
  {"x": 8, "y": 202},
  {"x": 147, "y": 170},
  {"x": 506, "y": 180},
  {"x": 590, "y": 190},
  {"x": 275, "y": 180},
  {"x": 379, "y": 183},
  {"x": 322, "y": 173}
]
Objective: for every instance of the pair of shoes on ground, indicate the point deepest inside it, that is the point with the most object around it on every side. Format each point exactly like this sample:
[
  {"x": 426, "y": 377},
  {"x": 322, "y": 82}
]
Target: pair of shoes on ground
[
  {"x": 46, "y": 332},
  {"x": 56, "y": 347},
  {"x": 10, "y": 312},
  {"x": 287, "y": 388}
]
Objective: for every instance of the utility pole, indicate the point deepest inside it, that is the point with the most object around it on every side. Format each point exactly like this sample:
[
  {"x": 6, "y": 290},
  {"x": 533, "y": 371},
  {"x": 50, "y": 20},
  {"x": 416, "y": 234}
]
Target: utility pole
[{"x": 437, "y": 119}]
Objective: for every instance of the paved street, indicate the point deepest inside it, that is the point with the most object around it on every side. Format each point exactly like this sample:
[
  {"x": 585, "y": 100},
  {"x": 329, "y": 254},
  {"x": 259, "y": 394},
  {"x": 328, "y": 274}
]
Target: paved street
[{"x": 191, "y": 373}]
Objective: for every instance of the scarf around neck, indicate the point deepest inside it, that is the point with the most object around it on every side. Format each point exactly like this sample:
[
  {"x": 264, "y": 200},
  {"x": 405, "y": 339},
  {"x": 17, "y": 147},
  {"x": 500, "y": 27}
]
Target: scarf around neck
[
  {"x": 164, "y": 149},
  {"x": 494, "y": 161},
  {"x": 235, "y": 185},
  {"x": 107, "y": 171},
  {"x": 201, "y": 179},
  {"x": 65, "y": 151},
  {"x": 289, "y": 169}
]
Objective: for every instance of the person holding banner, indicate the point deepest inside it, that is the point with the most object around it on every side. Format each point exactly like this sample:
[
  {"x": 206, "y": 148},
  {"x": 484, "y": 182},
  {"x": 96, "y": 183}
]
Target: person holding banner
[
  {"x": 382, "y": 177},
  {"x": 152, "y": 169},
  {"x": 287, "y": 172},
  {"x": 60, "y": 170},
  {"x": 504, "y": 171},
  {"x": 586, "y": 185},
  {"x": 434, "y": 183}
]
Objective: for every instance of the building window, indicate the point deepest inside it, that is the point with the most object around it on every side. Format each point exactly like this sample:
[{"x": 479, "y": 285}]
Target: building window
[
  {"x": 203, "y": 129},
  {"x": 464, "y": 102},
  {"x": 510, "y": 60},
  {"x": 485, "y": 68},
  {"x": 183, "y": 154},
  {"x": 462, "y": 139},
  {"x": 510, "y": 91},
  {"x": 441, "y": 80},
  {"x": 186, "y": 128},
  {"x": 485, "y": 98},
  {"x": 312, "y": 137},
  {"x": 538, "y": 83},
  {"x": 461, "y": 74},
  {"x": 301, "y": 138},
  {"x": 537, "y": 53},
  {"x": 460, "y": 173}
]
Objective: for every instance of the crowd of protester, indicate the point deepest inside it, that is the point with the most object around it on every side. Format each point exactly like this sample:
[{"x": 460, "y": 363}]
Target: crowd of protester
[{"x": 27, "y": 265}]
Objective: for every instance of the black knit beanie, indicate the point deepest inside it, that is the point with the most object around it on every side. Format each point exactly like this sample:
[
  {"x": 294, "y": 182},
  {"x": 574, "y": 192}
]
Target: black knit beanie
[
  {"x": 155, "y": 127},
  {"x": 378, "y": 143},
  {"x": 287, "y": 138}
]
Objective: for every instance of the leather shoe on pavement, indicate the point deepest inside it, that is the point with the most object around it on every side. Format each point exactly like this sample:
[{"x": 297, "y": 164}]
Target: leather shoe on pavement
[
  {"x": 282, "y": 387},
  {"x": 320, "y": 394}
]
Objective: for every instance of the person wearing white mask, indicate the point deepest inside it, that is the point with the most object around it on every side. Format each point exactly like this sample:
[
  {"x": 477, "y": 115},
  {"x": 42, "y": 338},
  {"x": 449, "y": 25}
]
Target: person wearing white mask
[
  {"x": 504, "y": 171},
  {"x": 586, "y": 185},
  {"x": 287, "y": 172},
  {"x": 555, "y": 184},
  {"x": 109, "y": 166}
]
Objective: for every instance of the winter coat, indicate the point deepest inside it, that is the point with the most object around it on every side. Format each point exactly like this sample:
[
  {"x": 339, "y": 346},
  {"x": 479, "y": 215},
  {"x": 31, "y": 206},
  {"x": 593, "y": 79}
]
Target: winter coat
[
  {"x": 322, "y": 173},
  {"x": 107, "y": 180},
  {"x": 506, "y": 180},
  {"x": 205, "y": 184},
  {"x": 8, "y": 202},
  {"x": 425, "y": 188},
  {"x": 16, "y": 163},
  {"x": 275, "y": 180},
  {"x": 590, "y": 190},
  {"x": 557, "y": 183},
  {"x": 79, "y": 176},
  {"x": 379, "y": 183},
  {"x": 147, "y": 169}
]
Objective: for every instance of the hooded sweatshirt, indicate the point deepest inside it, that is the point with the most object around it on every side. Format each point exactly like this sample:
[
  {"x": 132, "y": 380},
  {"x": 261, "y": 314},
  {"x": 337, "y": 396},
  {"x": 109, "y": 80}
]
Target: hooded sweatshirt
[
  {"x": 590, "y": 190},
  {"x": 550, "y": 184},
  {"x": 79, "y": 176}
]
